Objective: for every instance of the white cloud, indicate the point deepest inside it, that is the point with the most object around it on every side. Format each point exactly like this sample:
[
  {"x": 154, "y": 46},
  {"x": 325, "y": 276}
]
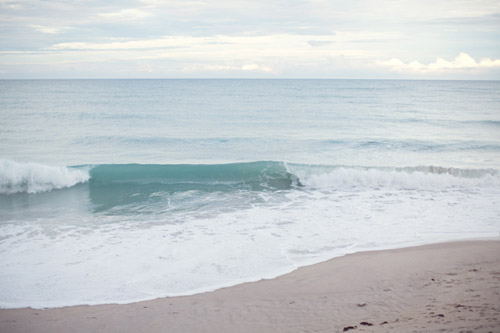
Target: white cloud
[
  {"x": 272, "y": 44},
  {"x": 255, "y": 67},
  {"x": 263, "y": 54},
  {"x": 177, "y": 3},
  {"x": 304, "y": 37},
  {"x": 127, "y": 14},
  {"x": 319, "y": 43},
  {"x": 245, "y": 68},
  {"x": 164, "y": 42},
  {"x": 48, "y": 29},
  {"x": 363, "y": 36},
  {"x": 463, "y": 62},
  {"x": 226, "y": 54},
  {"x": 123, "y": 45},
  {"x": 10, "y": 4}
]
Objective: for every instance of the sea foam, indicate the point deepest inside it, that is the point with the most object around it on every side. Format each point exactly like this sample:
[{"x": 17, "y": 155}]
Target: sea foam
[
  {"x": 421, "y": 177},
  {"x": 29, "y": 177}
]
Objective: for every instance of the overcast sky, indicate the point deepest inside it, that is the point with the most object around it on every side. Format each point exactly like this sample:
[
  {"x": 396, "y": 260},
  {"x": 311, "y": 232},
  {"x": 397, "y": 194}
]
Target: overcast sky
[{"x": 435, "y": 39}]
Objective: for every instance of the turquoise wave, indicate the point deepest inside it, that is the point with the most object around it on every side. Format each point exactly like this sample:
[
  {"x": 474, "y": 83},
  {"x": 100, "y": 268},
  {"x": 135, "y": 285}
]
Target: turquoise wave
[
  {"x": 141, "y": 185},
  {"x": 152, "y": 188},
  {"x": 173, "y": 177},
  {"x": 34, "y": 178}
]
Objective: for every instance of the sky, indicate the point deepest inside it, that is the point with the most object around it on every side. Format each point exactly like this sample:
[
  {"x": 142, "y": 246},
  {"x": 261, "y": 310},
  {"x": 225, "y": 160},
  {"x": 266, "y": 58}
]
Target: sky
[{"x": 371, "y": 39}]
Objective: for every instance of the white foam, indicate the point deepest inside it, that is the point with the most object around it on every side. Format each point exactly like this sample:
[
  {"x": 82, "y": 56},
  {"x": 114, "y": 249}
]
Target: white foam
[
  {"x": 31, "y": 177},
  {"x": 118, "y": 261},
  {"x": 416, "y": 178}
]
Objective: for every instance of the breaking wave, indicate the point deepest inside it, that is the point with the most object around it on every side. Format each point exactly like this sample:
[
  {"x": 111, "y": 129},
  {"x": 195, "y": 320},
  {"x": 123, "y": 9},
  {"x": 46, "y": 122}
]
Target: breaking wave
[
  {"x": 420, "y": 177},
  {"x": 18, "y": 177}
]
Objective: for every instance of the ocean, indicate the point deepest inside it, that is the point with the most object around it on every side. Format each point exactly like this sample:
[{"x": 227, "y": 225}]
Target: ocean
[{"x": 115, "y": 191}]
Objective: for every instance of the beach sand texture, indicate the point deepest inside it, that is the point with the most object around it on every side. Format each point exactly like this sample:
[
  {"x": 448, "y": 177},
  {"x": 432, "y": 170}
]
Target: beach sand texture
[{"x": 447, "y": 287}]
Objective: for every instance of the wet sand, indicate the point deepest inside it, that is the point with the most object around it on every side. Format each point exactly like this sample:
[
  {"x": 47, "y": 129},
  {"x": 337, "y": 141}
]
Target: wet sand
[{"x": 446, "y": 287}]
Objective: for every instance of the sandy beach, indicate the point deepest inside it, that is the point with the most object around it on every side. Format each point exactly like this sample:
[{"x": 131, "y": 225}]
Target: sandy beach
[{"x": 447, "y": 287}]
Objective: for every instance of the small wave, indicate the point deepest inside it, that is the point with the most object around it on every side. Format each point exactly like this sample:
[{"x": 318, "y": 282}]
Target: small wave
[
  {"x": 16, "y": 177},
  {"x": 422, "y": 145},
  {"x": 420, "y": 177},
  {"x": 269, "y": 175},
  {"x": 117, "y": 180}
]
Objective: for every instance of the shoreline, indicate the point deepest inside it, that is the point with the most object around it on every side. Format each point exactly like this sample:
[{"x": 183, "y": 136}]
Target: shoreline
[
  {"x": 270, "y": 276},
  {"x": 444, "y": 286}
]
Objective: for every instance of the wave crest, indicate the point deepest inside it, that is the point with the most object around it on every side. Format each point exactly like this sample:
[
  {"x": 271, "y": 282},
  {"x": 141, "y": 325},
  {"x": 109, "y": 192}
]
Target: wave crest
[
  {"x": 420, "y": 177},
  {"x": 16, "y": 177},
  {"x": 264, "y": 175}
]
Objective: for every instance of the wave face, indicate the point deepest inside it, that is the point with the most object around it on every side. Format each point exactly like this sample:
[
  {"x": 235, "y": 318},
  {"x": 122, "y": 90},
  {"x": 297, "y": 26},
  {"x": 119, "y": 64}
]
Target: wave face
[
  {"x": 273, "y": 176},
  {"x": 149, "y": 189},
  {"x": 30, "y": 177},
  {"x": 177, "y": 177},
  {"x": 177, "y": 192}
]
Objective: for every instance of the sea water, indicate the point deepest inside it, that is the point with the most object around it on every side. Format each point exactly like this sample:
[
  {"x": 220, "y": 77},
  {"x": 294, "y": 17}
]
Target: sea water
[{"x": 113, "y": 191}]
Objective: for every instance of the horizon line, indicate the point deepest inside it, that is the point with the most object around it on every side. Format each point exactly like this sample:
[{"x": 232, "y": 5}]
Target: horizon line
[{"x": 242, "y": 78}]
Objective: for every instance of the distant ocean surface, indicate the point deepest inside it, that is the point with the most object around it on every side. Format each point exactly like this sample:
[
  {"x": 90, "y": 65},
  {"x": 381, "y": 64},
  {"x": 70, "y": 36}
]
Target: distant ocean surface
[{"x": 114, "y": 191}]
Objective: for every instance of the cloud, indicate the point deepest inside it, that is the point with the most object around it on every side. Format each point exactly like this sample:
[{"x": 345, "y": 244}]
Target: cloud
[
  {"x": 10, "y": 4},
  {"x": 463, "y": 62},
  {"x": 251, "y": 67},
  {"x": 318, "y": 43},
  {"x": 255, "y": 67},
  {"x": 366, "y": 36},
  {"x": 166, "y": 42},
  {"x": 48, "y": 29},
  {"x": 226, "y": 54},
  {"x": 305, "y": 38},
  {"x": 282, "y": 44},
  {"x": 126, "y": 14},
  {"x": 230, "y": 55}
]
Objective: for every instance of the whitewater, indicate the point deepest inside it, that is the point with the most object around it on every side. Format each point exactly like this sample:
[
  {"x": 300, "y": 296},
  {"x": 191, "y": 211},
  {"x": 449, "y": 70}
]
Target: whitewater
[{"x": 115, "y": 191}]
